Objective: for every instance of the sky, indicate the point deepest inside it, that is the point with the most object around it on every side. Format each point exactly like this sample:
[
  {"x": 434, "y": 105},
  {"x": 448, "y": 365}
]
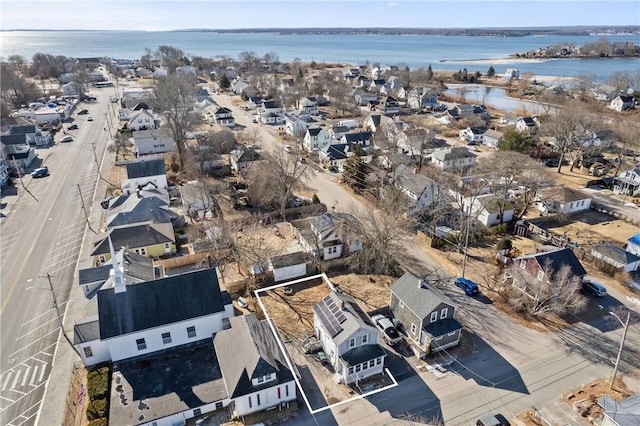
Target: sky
[{"x": 163, "y": 15}]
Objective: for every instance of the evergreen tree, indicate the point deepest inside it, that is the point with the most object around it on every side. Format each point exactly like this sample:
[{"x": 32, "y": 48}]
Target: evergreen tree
[
  {"x": 515, "y": 141},
  {"x": 429, "y": 73},
  {"x": 224, "y": 82},
  {"x": 491, "y": 72}
]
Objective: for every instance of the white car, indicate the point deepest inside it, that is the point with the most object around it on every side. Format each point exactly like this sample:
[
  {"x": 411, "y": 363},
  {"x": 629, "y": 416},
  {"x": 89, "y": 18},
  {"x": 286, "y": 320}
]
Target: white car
[
  {"x": 389, "y": 332},
  {"x": 67, "y": 138},
  {"x": 89, "y": 118}
]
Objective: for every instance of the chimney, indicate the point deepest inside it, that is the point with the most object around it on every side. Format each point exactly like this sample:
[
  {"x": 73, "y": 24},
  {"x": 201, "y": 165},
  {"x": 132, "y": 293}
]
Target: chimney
[{"x": 421, "y": 283}]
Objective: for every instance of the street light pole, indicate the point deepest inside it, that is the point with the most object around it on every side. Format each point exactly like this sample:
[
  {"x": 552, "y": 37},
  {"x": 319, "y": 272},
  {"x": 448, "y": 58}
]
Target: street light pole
[{"x": 624, "y": 336}]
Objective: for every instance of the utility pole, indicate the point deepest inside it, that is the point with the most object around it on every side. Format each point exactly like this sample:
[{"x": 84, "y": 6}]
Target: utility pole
[
  {"x": 95, "y": 159},
  {"x": 466, "y": 242},
  {"x": 624, "y": 336},
  {"x": 15, "y": 164},
  {"x": 84, "y": 209},
  {"x": 55, "y": 305}
]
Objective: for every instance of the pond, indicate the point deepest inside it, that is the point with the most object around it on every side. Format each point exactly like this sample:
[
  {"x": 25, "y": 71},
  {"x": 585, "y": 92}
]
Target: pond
[{"x": 495, "y": 97}]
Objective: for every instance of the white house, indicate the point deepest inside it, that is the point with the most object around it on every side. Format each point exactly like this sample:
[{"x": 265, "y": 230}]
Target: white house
[
  {"x": 330, "y": 236},
  {"x": 336, "y": 155},
  {"x": 633, "y": 244},
  {"x": 617, "y": 257},
  {"x": 627, "y": 182},
  {"x": 492, "y": 138},
  {"x": 424, "y": 192},
  {"x": 253, "y": 367},
  {"x": 288, "y": 266},
  {"x": 240, "y": 159},
  {"x": 186, "y": 71},
  {"x": 223, "y": 116},
  {"x": 527, "y": 125},
  {"x": 562, "y": 200},
  {"x": 472, "y": 135},
  {"x": 422, "y": 97},
  {"x": 309, "y": 105},
  {"x": 453, "y": 158},
  {"x": 316, "y": 138},
  {"x": 143, "y": 172},
  {"x": 72, "y": 88},
  {"x": 349, "y": 338},
  {"x": 142, "y": 120},
  {"x": 153, "y": 141},
  {"x": 17, "y": 151},
  {"x": 623, "y": 103},
  {"x": 296, "y": 124},
  {"x": 511, "y": 74},
  {"x": 489, "y": 209}
]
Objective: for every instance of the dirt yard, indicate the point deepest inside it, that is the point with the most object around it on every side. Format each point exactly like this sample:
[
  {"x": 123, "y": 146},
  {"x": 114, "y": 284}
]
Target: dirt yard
[
  {"x": 293, "y": 313},
  {"x": 594, "y": 228},
  {"x": 76, "y": 414}
]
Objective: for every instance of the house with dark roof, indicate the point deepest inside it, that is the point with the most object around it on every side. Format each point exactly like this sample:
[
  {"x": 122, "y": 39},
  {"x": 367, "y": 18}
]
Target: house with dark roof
[
  {"x": 422, "y": 191},
  {"x": 254, "y": 369},
  {"x": 336, "y": 155},
  {"x": 241, "y": 159},
  {"x": 147, "y": 239},
  {"x": 144, "y": 171},
  {"x": 349, "y": 338},
  {"x": 364, "y": 138},
  {"x": 623, "y": 103},
  {"x": 151, "y": 316},
  {"x": 136, "y": 268},
  {"x": 422, "y": 97},
  {"x": 547, "y": 262},
  {"x": 376, "y": 122},
  {"x": 34, "y": 135},
  {"x": 617, "y": 257},
  {"x": 528, "y": 125},
  {"x": 489, "y": 209},
  {"x": 222, "y": 116},
  {"x": 17, "y": 151},
  {"x": 309, "y": 105},
  {"x": 472, "y": 135},
  {"x": 427, "y": 315},
  {"x": 330, "y": 236},
  {"x": 316, "y": 138},
  {"x": 562, "y": 200},
  {"x": 137, "y": 209},
  {"x": 390, "y": 105}
]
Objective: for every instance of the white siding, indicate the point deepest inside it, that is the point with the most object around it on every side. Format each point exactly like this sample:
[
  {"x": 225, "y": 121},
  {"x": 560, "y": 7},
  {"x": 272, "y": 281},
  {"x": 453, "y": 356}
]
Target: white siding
[
  {"x": 99, "y": 350},
  {"x": 289, "y": 272},
  {"x": 155, "y": 145},
  {"x": 268, "y": 398}
]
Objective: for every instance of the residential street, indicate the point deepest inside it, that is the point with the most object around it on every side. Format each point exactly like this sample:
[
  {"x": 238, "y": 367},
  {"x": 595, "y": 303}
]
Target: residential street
[
  {"x": 42, "y": 234},
  {"x": 513, "y": 368}
]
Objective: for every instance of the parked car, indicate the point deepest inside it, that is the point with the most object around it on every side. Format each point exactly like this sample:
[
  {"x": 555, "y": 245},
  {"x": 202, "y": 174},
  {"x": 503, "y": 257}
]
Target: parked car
[
  {"x": 113, "y": 99},
  {"x": 389, "y": 332},
  {"x": 89, "y": 118},
  {"x": 67, "y": 138},
  {"x": 73, "y": 127},
  {"x": 551, "y": 162},
  {"x": 469, "y": 287},
  {"x": 83, "y": 112},
  {"x": 492, "y": 420},
  {"x": 40, "y": 172},
  {"x": 591, "y": 286}
]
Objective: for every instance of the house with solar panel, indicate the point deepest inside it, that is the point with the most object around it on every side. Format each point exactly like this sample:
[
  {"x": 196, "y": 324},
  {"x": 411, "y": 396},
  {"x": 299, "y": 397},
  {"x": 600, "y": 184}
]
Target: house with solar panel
[{"x": 348, "y": 337}]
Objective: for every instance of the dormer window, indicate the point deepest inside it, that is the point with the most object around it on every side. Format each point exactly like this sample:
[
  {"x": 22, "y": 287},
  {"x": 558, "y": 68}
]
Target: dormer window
[{"x": 264, "y": 379}]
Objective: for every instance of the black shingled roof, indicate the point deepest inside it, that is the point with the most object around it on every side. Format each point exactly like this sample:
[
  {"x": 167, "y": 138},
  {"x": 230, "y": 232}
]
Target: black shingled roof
[
  {"x": 156, "y": 303},
  {"x": 145, "y": 168}
]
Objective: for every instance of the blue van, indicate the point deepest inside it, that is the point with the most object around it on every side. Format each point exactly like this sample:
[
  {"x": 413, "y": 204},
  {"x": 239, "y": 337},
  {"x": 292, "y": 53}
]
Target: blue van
[{"x": 469, "y": 287}]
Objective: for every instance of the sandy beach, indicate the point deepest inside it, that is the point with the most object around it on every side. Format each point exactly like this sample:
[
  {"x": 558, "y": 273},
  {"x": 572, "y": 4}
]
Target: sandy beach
[{"x": 497, "y": 61}]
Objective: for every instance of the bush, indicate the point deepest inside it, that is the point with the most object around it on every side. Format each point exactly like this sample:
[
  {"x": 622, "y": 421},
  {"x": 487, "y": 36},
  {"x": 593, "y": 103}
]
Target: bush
[
  {"x": 96, "y": 409},
  {"x": 102, "y": 421},
  {"x": 504, "y": 244},
  {"x": 98, "y": 382},
  {"x": 499, "y": 229}
]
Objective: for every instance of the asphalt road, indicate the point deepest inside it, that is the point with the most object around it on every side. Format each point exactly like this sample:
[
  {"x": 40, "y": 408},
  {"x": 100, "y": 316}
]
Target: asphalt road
[
  {"x": 512, "y": 369},
  {"x": 42, "y": 233}
]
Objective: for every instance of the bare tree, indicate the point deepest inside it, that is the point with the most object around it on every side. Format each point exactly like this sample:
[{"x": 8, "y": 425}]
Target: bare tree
[
  {"x": 250, "y": 137},
  {"x": 418, "y": 143},
  {"x": 558, "y": 292},
  {"x": 582, "y": 84},
  {"x": 175, "y": 96},
  {"x": 569, "y": 126},
  {"x": 121, "y": 144}
]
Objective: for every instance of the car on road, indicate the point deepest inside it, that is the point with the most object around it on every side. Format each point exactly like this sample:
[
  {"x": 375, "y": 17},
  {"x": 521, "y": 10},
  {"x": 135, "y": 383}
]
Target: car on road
[
  {"x": 40, "y": 172},
  {"x": 589, "y": 285},
  {"x": 73, "y": 127},
  {"x": 83, "y": 112},
  {"x": 253, "y": 146},
  {"x": 492, "y": 420},
  {"x": 67, "y": 138},
  {"x": 389, "y": 332},
  {"x": 469, "y": 287},
  {"x": 113, "y": 99},
  {"x": 89, "y": 118}
]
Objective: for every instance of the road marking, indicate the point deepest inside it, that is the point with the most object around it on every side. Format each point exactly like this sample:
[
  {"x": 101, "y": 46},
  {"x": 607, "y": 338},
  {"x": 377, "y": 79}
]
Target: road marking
[
  {"x": 41, "y": 375},
  {"x": 15, "y": 381},
  {"x": 35, "y": 372},
  {"x": 25, "y": 377},
  {"x": 8, "y": 399},
  {"x": 35, "y": 329},
  {"x": 6, "y": 381},
  {"x": 47, "y": 312},
  {"x": 37, "y": 341}
]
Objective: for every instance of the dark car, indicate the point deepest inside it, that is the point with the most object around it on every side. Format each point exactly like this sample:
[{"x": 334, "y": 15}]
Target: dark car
[
  {"x": 551, "y": 162},
  {"x": 469, "y": 287},
  {"x": 40, "y": 172},
  {"x": 492, "y": 420},
  {"x": 73, "y": 127},
  {"x": 83, "y": 112}
]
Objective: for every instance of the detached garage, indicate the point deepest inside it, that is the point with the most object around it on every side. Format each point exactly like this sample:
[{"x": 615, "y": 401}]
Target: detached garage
[
  {"x": 616, "y": 257},
  {"x": 288, "y": 266}
]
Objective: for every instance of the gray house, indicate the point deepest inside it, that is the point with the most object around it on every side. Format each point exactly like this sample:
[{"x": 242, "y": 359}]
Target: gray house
[{"x": 427, "y": 315}]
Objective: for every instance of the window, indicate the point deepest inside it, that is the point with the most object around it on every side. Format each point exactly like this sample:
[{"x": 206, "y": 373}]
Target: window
[
  {"x": 258, "y": 399},
  {"x": 350, "y": 370},
  {"x": 286, "y": 390},
  {"x": 358, "y": 368},
  {"x": 434, "y": 316},
  {"x": 279, "y": 393},
  {"x": 191, "y": 332},
  {"x": 372, "y": 363},
  {"x": 378, "y": 361},
  {"x": 102, "y": 259},
  {"x": 540, "y": 275},
  {"x": 197, "y": 412},
  {"x": 87, "y": 352},
  {"x": 352, "y": 342},
  {"x": 401, "y": 303},
  {"x": 451, "y": 334},
  {"x": 443, "y": 313},
  {"x": 365, "y": 366},
  {"x": 166, "y": 338},
  {"x": 413, "y": 328},
  {"x": 438, "y": 338},
  {"x": 167, "y": 245},
  {"x": 523, "y": 264},
  {"x": 218, "y": 405},
  {"x": 142, "y": 345},
  {"x": 250, "y": 404},
  {"x": 365, "y": 339}
]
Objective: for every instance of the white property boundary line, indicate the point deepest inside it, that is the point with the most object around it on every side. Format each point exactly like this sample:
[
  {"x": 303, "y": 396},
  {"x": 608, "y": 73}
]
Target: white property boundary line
[{"x": 285, "y": 354}]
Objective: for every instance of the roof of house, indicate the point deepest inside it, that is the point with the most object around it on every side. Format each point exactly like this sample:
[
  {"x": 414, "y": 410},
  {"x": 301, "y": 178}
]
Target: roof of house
[
  {"x": 223, "y": 110},
  {"x": 245, "y": 155},
  {"x": 635, "y": 239},
  {"x": 418, "y": 295},
  {"x": 625, "y": 412},
  {"x": 375, "y": 119},
  {"x": 17, "y": 139},
  {"x": 329, "y": 220},
  {"x": 556, "y": 259},
  {"x": 143, "y": 235},
  {"x": 166, "y": 383},
  {"x": 626, "y": 99},
  {"x": 363, "y": 353},
  {"x": 358, "y": 137},
  {"x": 563, "y": 194},
  {"x": 148, "y": 191},
  {"x": 270, "y": 104},
  {"x": 145, "y": 168},
  {"x": 452, "y": 153},
  {"x": 249, "y": 350},
  {"x": 26, "y": 129},
  {"x": 288, "y": 259},
  {"x": 494, "y": 204},
  {"x": 614, "y": 253},
  {"x": 336, "y": 151},
  {"x": 529, "y": 121},
  {"x": 442, "y": 327},
  {"x": 314, "y": 131},
  {"x": 494, "y": 134},
  {"x": 160, "y": 302},
  {"x": 341, "y": 316},
  {"x": 413, "y": 182},
  {"x": 86, "y": 330},
  {"x": 137, "y": 268},
  {"x": 139, "y": 209}
]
